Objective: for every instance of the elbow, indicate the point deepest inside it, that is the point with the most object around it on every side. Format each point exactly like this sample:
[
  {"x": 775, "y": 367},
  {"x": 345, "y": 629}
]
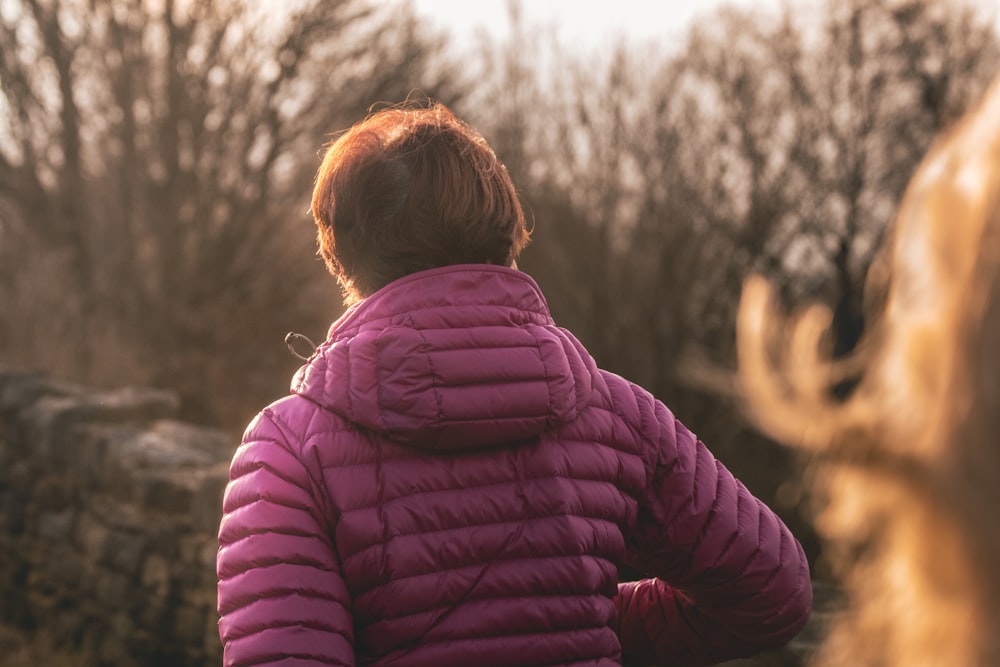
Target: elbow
[
  {"x": 777, "y": 611},
  {"x": 792, "y": 618},
  {"x": 790, "y": 609}
]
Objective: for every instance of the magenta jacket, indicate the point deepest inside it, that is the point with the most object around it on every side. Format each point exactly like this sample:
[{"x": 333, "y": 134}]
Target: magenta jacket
[{"x": 454, "y": 483}]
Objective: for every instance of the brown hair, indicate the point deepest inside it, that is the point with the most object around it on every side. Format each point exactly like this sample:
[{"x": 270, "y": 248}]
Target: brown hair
[
  {"x": 409, "y": 189},
  {"x": 909, "y": 464}
]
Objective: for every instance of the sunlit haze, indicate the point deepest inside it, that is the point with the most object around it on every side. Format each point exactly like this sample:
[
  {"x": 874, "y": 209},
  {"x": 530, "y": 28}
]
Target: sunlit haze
[
  {"x": 588, "y": 23},
  {"x": 583, "y": 22}
]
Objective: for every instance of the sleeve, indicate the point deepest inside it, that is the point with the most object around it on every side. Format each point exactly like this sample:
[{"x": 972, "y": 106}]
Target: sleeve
[
  {"x": 282, "y": 597},
  {"x": 730, "y": 580}
]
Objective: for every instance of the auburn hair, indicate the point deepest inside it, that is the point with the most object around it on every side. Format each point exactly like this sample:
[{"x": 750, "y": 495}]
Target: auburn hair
[{"x": 410, "y": 189}]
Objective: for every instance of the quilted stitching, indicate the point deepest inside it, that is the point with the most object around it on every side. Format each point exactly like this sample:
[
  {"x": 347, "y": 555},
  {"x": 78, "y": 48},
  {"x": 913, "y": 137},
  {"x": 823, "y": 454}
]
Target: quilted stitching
[{"x": 454, "y": 482}]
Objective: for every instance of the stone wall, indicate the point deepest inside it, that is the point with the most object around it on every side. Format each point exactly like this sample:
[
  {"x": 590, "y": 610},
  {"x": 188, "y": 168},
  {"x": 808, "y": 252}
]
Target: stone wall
[
  {"x": 108, "y": 516},
  {"x": 109, "y": 510}
]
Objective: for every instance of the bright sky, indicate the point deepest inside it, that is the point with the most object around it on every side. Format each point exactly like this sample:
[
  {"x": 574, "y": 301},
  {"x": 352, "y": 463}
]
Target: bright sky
[{"x": 587, "y": 22}]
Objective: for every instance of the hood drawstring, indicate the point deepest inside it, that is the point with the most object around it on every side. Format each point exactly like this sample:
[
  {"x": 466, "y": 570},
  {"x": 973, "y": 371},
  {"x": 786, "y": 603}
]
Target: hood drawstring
[{"x": 292, "y": 338}]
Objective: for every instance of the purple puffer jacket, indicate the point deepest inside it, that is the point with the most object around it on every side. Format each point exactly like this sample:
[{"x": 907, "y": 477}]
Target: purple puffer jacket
[{"x": 454, "y": 482}]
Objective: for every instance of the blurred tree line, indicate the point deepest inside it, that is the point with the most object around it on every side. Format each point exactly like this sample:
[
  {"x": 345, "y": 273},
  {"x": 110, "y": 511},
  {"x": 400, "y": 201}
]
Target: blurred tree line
[{"x": 157, "y": 156}]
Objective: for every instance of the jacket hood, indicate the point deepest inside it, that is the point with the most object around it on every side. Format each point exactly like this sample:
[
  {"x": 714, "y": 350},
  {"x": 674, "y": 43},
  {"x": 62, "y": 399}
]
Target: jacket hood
[{"x": 452, "y": 358}]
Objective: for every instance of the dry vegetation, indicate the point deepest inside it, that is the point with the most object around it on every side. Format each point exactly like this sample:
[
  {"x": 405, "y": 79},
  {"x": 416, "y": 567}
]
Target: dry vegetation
[{"x": 156, "y": 159}]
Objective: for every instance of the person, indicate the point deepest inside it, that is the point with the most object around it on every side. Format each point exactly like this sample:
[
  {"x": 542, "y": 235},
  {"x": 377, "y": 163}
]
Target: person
[
  {"x": 908, "y": 463},
  {"x": 453, "y": 481}
]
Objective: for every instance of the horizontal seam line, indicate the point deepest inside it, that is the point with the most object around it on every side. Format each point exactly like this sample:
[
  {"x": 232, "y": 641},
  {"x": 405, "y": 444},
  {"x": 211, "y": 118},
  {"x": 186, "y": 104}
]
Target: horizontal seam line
[
  {"x": 499, "y": 346},
  {"x": 270, "y": 501},
  {"x": 245, "y": 535},
  {"x": 297, "y": 624},
  {"x": 268, "y": 562},
  {"x": 357, "y": 325},
  {"x": 491, "y": 381},
  {"x": 510, "y": 559},
  {"x": 444, "y": 640},
  {"x": 491, "y": 598},
  {"x": 279, "y": 594},
  {"x": 541, "y": 517},
  {"x": 480, "y": 487}
]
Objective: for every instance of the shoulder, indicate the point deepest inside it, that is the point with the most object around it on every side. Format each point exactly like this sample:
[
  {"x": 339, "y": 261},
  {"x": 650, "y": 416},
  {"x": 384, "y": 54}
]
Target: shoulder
[
  {"x": 638, "y": 408},
  {"x": 622, "y": 415},
  {"x": 295, "y": 423},
  {"x": 646, "y": 424}
]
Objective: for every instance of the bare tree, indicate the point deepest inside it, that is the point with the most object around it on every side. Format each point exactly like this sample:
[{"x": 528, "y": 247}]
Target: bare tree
[
  {"x": 884, "y": 79},
  {"x": 155, "y": 162},
  {"x": 773, "y": 144}
]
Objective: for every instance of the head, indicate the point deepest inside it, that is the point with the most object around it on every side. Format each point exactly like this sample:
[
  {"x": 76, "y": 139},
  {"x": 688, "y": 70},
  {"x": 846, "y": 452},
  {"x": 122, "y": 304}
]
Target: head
[{"x": 410, "y": 189}]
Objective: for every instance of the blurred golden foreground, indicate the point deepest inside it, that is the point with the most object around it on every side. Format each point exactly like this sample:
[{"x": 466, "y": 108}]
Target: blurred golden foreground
[{"x": 909, "y": 464}]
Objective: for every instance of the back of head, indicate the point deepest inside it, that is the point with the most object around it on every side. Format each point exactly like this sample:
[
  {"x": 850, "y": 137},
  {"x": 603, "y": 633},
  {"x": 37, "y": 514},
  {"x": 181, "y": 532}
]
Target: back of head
[
  {"x": 909, "y": 463},
  {"x": 410, "y": 189}
]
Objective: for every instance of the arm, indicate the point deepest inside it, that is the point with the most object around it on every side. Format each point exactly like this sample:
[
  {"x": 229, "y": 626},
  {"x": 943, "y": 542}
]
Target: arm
[
  {"x": 282, "y": 598},
  {"x": 731, "y": 580}
]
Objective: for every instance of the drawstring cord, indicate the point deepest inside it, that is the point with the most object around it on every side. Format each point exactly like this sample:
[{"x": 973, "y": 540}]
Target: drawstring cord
[{"x": 292, "y": 338}]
